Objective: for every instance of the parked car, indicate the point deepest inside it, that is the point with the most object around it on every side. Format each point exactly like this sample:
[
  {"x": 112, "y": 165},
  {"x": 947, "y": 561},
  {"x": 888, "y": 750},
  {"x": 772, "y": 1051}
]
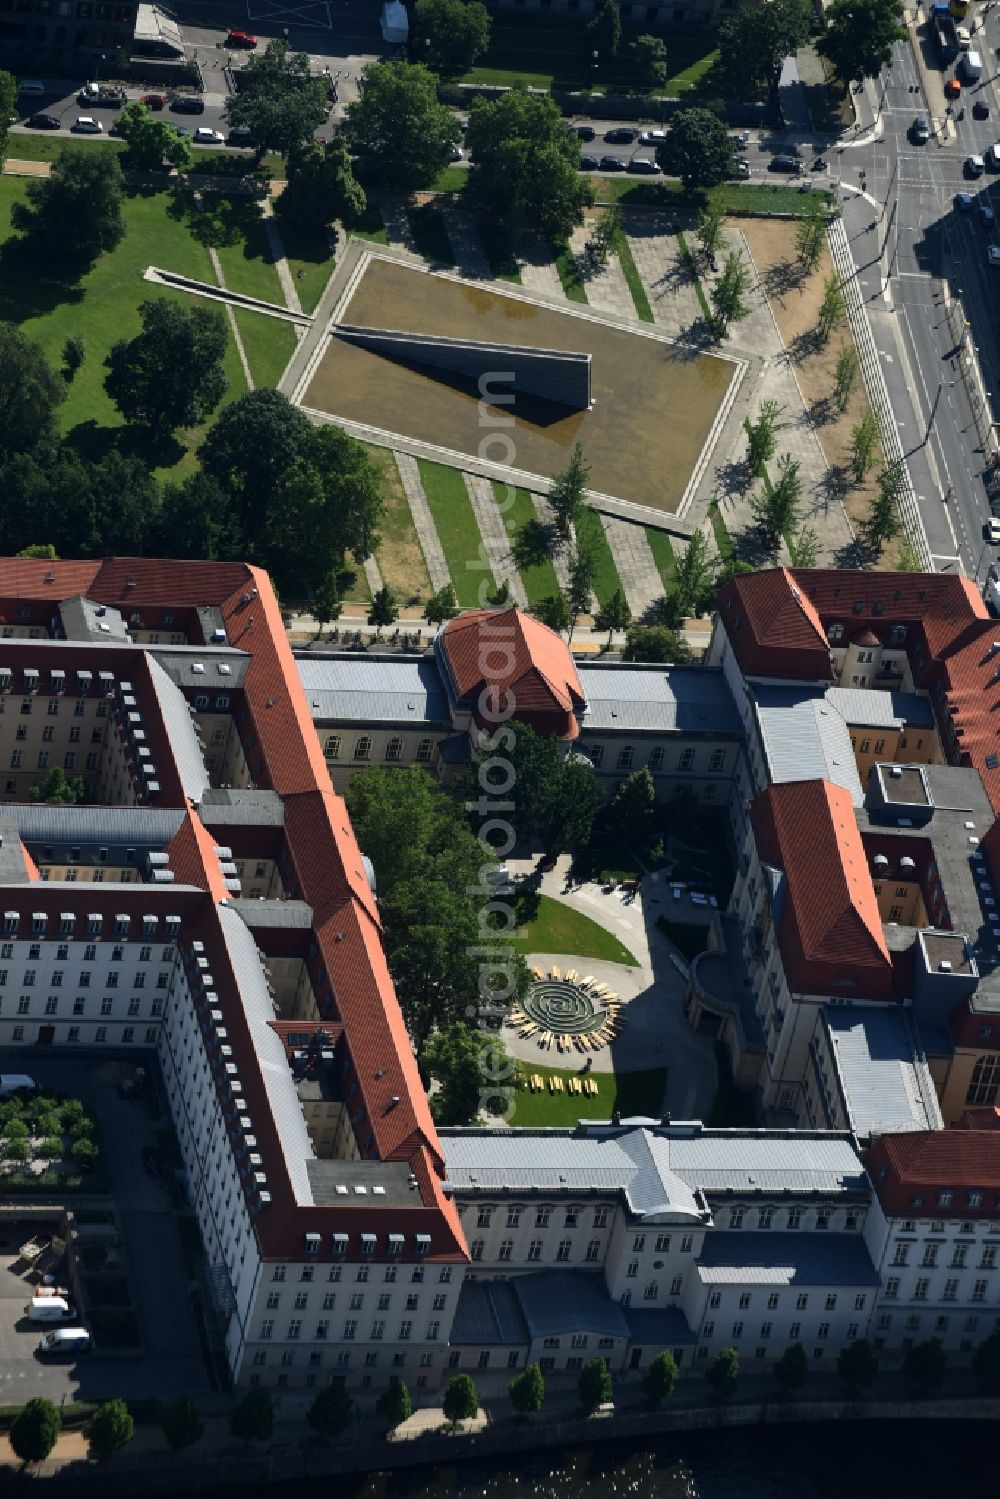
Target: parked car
[
  {"x": 741, "y": 167},
  {"x": 784, "y": 164},
  {"x": 993, "y": 255},
  {"x": 986, "y": 215},
  {"x": 180, "y": 129},
  {"x": 980, "y": 110},
  {"x": 611, "y": 164},
  {"x": 87, "y": 125},
  {"x": 101, "y": 96},
  {"x": 153, "y": 101},
  {"x": 991, "y": 531},
  {"x": 64, "y": 1343},
  {"x": 188, "y": 104},
  {"x": 44, "y": 122},
  {"x": 239, "y": 135},
  {"x": 652, "y": 137},
  {"x": 621, "y": 135},
  {"x": 206, "y": 136},
  {"x": 920, "y": 131},
  {"x": 241, "y": 39},
  {"x": 16, "y": 1084},
  {"x": 589, "y": 164},
  {"x": 644, "y": 166},
  {"x": 583, "y": 132},
  {"x": 740, "y": 140},
  {"x": 457, "y": 154},
  {"x": 975, "y": 166},
  {"x": 963, "y": 201}
]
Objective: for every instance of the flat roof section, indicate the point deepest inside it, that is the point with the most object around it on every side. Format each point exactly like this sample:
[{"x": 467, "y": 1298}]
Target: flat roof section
[{"x": 904, "y": 785}]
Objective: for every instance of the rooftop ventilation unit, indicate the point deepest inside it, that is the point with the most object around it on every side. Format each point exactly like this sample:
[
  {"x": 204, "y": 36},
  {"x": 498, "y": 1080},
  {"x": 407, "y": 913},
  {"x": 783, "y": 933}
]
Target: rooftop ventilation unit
[
  {"x": 895, "y": 772},
  {"x": 944, "y": 966}
]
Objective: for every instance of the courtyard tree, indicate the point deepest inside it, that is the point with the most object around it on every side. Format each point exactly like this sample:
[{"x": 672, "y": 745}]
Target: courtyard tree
[
  {"x": 776, "y": 508},
  {"x": 845, "y": 377},
  {"x": 171, "y": 374},
  {"x": 697, "y": 149},
  {"x": 831, "y": 308},
  {"x": 792, "y": 1368},
  {"x": 449, "y": 35},
  {"x": 327, "y": 601},
  {"x": 330, "y": 1413},
  {"x": 394, "y": 1405},
  {"x": 606, "y": 232},
  {"x": 723, "y": 1373},
  {"x": 694, "y": 577},
  {"x": 182, "y": 1423},
  {"x": 321, "y": 186},
  {"x": 656, "y": 643},
  {"x": 728, "y": 293},
  {"x": 558, "y": 796},
  {"x": 110, "y": 1429},
  {"x": 470, "y": 1066},
  {"x": 803, "y": 547},
  {"x": 553, "y": 611},
  {"x": 56, "y": 788},
  {"x": 527, "y": 1390},
  {"x": 190, "y": 519},
  {"x": 566, "y": 495},
  {"x": 582, "y": 570},
  {"x": 857, "y": 1364},
  {"x": 460, "y": 1403},
  {"x": 882, "y": 522},
  {"x": 36, "y": 1429},
  {"x": 614, "y": 614},
  {"x": 441, "y": 606},
  {"x": 634, "y": 803},
  {"x": 660, "y": 1378},
  {"x": 279, "y": 101},
  {"x": 42, "y": 552},
  {"x": 30, "y": 391},
  {"x": 925, "y": 1364},
  {"x": 8, "y": 103},
  {"x": 384, "y": 610},
  {"x": 524, "y": 169},
  {"x": 864, "y": 436},
  {"x": 594, "y": 1385},
  {"x": 859, "y": 36},
  {"x": 603, "y": 34},
  {"x": 648, "y": 61},
  {"x": 753, "y": 45},
  {"x": 762, "y": 437},
  {"x": 400, "y": 135},
  {"x": 75, "y": 214},
  {"x": 252, "y": 1418},
  {"x": 151, "y": 142},
  {"x": 810, "y": 234},
  {"x": 986, "y": 1364},
  {"x": 709, "y": 230}
]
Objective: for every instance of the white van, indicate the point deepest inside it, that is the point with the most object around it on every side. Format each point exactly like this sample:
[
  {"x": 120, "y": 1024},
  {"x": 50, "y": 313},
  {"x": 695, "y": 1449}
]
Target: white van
[
  {"x": 49, "y": 1309},
  {"x": 993, "y": 157},
  {"x": 16, "y": 1082},
  {"x": 64, "y": 1342},
  {"x": 972, "y": 66}
]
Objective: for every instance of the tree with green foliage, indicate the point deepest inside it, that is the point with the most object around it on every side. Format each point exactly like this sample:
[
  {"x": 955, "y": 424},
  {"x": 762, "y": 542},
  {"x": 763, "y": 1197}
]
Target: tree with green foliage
[
  {"x": 732, "y": 568},
  {"x": 606, "y": 232},
  {"x": 810, "y": 235},
  {"x": 603, "y": 34},
  {"x": 697, "y": 149},
  {"x": 832, "y": 308},
  {"x": 558, "y": 796},
  {"x": 30, "y": 391},
  {"x": 776, "y": 507},
  {"x": 394, "y": 1405},
  {"x": 762, "y": 437},
  {"x": 8, "y": 109},
  {"x": 648, "y": 61},
  {"x": 753, "y": 45},
  {"x": 986, "y": 1364},
  {"x": 190, "y": 521},
  {"x": 470, "y": 1066},
  {"x": 182, "y": 1423},
  {"x": 499, "y": 597},
  {"x": 857, "y": 1364},
  {"x": 863, "y": 439},
  {"x": 792, "y": 1368},
  {"x": 280, "y": 101},
  {"x": 709, "y": 231},
  {"x": 400, "y": 135},
  {"x": 582, "y": 570},
  {"x": 321, "y": 186},
  {"x": 460, "y": 1403},
  {"x": 803, "y": 547},
  {"x": 75, "y": 213},
  {"x": 882, "y": 522},
  {"x": 656, "y": 643},
  {"x": 384, "y": 610},
  {"x": 723, "y": 1373},
  {"x": 524, "y": 171},
  {"x": 527, "y": 1390},
  {"x": 37, "y": 1425},
  {"x": 441, "y": 606},
  {"x": 660, "y": 1378},
  {"x": 449, "y": 35},
  {"x": 566, "y": 495},
  {"x": 907, "y": 560},
  {"x": 40, "y": 552},
  {"x": 614, "y": 614},
  {"x": 252, "y": 1418},
  {"x": 56, "y": 788},
  {"x": 845, "y": 377},
  {"x": 151, "y": 141},
  {"x": 925, "y": 1364},
  {"x": 859, "y": 36},
  {"x": 171, "y": 374},
  {"x": 729, "y": 291},
  {"x": 109, "y": 1430},
  {"x": 553, "y": 611},
  {"x": 633, "y": 805},
  {"x": 594, "y": 1385},
  {"x": 327, "y": 601},
  {"x": 331, "y": 1412},
  {"x": 74, "y": 352},
  {"x": 694, "y": 575}
]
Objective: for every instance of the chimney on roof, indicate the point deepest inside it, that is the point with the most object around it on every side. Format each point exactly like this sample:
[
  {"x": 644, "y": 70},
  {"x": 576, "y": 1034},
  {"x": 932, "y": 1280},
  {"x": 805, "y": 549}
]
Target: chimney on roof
[{"x": 393, "y": 1103}]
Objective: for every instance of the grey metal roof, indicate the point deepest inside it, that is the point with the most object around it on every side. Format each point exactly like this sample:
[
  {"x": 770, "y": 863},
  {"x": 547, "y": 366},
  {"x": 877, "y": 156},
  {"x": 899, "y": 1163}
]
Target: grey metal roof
[
  {"x": 665, "y": 1326},
  {"x": 488, "y": 1312},
  {"x": 524, "y": 1159},
  {"x": 374, "y": 689},
  {"x": 805, "y": 738},
  {"x": 628, "y": 698},
  {"x": 240, "y": 807},
  {"x": 85, "y": 619},
  {"x": 783, "y": 1259},
  {"x": 180, "y": 730},
  {"x": 885, "y": 1081},
  {"x": 556, "y": 1303},
  {"x": 869, "y": 707},
  {"x": 293, "y": 914},
  {"x": 762, "y": 1161},
  {"x": 57, "y": 834},
  {"x": 224, "y": 668}
]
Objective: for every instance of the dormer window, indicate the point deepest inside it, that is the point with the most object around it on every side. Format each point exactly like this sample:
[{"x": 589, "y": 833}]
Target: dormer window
[{"x": 835, "y": 634}]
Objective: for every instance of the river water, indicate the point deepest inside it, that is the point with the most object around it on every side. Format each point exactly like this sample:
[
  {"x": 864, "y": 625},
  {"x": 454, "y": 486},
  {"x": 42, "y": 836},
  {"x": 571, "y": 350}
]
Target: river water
[{"x": 876, "y": 1460}]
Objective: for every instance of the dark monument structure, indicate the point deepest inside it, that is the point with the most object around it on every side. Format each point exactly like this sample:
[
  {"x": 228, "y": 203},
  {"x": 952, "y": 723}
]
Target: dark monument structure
[{"x": 553, "y": 375}]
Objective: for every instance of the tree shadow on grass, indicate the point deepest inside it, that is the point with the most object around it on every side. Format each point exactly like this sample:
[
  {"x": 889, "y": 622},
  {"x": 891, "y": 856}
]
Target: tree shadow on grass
[
  {"x": 536, "y": 543},
  {"x": 30, "y": 286},
  {"x": 223, "y": 220},
  {"x": 94, "y": 442}
]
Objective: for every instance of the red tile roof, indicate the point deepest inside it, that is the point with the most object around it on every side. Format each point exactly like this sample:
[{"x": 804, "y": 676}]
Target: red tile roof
[
  {"x": 193, "y": 859},
  {"x": 978, "y": 1119},
  {"x": 774, "y": 628},
  {"x": 142, "y": 581},
  {"x": 519, "y": 662},
  {"x": 25, "y": 578},
  {"x": 924, "y": 1163},
  {"x": 829, "y": 929}
]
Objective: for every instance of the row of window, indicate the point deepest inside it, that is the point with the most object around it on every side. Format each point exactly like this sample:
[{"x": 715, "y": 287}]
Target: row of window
[
  {"x": 774, "y": 1301},
  {"x": 343, "y": 1361},
  {"x": 794, "y": 1332},
  {"x": 626, "y": 758},
  {"x": 959, "y": 1256},
  {"x": 80, "y": 1005},
  {"x": 89, "y": 952},
  {"x": 922, "y": 1287},
  {"x": 99, "y": 1036},
  {"x": 43, "y": 758},
  {"x": 49, "y": 735},
  {"x": 56, "y": 979},
  {"x": 356, "y": 1302},
  {"x": 26, "y": 707},
  {"x": 543, "y": 1216},
  {"x": 793, "y": 1218},
  {"x": 376, "y": 1333},
  {"x": 363, "y": 748},
  {"x": 335, "y": 1274}
]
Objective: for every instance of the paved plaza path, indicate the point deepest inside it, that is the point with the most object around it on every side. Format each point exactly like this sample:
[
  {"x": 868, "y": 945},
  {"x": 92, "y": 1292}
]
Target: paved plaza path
[
  {"x": 430, "y": 542},
  {"x": 466, "y": 245},
  {"x": 538, "y": 270},
  {"x": 657, "y": 256},
  {"x": 606, "y": 287},
  {"x": 558, "y": 555},
  {"x": 397, "y": 224},
  {"x": 496, "y": 538},
  {"x": 638, "y": 572}
]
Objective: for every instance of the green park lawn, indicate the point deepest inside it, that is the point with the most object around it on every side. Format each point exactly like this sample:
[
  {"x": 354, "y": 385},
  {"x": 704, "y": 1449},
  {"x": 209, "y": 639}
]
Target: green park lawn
[
  {"x": 539, "y": 579},
  {"x": 455, "y": 522},
  {"x": 310, "y": 260},
  {"x": 268, "y": 343},
  {"x": 240, "y": 241},
  {"x": 663, "y": 555},
  {"x": 399, "y": 554},
  {"x": 590, "y": 532},
  {"x": 629, "y": 1093},
  {"x": 558, "y": 928}
]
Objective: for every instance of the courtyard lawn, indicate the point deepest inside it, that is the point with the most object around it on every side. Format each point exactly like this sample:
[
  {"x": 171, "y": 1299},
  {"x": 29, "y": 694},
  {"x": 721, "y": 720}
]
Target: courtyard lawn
[
  {"x": 590, "y": 532},
  {"x": 539, "y": 579},
  {"x": 663, "y": 555},
  {"x": 557, "y": 928},
  {"x": 310, "y": 260},
  {"x": 369, "y": 225},
  {"x": 269, "y": 344},
  {"x": 451, "y": 179},
  {"x": 25, "y": 147},
  {"x": 430, "y": 234},
  {"x": 569, "y": 272},
  {"x": 236, "y": 226},
  {"x": 457, "y": 530},
  {"x": 399, "y": 556},
  {"x": 629, "y": 1093},
  {"x": 503, "y": 261},
  {"x": 640, "y": 300}
]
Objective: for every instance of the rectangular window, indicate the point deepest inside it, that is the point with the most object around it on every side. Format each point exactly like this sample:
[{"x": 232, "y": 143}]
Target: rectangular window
[
  {"x": 656, "y": 758},
  {"x": 717, "y": 760}
]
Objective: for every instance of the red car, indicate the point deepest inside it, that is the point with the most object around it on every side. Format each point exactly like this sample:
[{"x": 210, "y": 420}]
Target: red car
[
  {"x": 241, "y": 39},
  {"x": 153, "y": 101}
]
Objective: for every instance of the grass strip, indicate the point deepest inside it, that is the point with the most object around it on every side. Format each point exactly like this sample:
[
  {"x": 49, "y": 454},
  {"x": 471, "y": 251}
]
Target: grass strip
[
  {"x": 368, "y": 225},
  {"x": 455, "y": 521},
  {"x": 590, "y": 533},
  {"x": 663, "y": 555},
  {"x": 516, "y": 506},
  {"x": 723, "y": 540},
  {"x": 503, "y": 261},
  {"x": 399, "y": 554},
  {"x": 569, "y": 272},
  {"x": 241, "y": 242},
  {"x": 641, "y": 302},
  {"x": 631, "y": 1094},
  {"x": 430, "y": 234},
  {"x": 692, "y": 269},
  {"x": 268, "y": 343}
]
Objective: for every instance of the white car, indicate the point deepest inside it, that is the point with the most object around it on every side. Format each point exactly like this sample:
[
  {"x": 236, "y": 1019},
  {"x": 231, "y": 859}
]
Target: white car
[
  {"x": 993, "y": 254},
  {"x": 457, "y": 154},
  {"x": 87, "y": 125},
  {"x": 652, "y": 137},
  {"x": 206, "y": 136},
  {"x": 975, "y": 166},
  {"x": 991, "y": 531}
]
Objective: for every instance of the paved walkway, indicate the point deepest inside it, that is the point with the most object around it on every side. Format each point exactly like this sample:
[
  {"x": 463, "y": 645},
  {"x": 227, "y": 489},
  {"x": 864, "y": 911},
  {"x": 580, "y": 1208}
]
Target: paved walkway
[
  {"x": 538, "y": 270},
  {"x": 467, "y": 247},
  {"x": 372, "y": 574},
  {"x": 638, "y": 572},
  {"x": 558, "y": 554},
  {"x": 397, "y": 224},
  {"x": 277, "y": 249},
  {"x": 607, "y": 289},
  {"x": 430, "y": 542},
  {"x": 670, "y": 289},
  {"x": 496, "y": 539}
]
